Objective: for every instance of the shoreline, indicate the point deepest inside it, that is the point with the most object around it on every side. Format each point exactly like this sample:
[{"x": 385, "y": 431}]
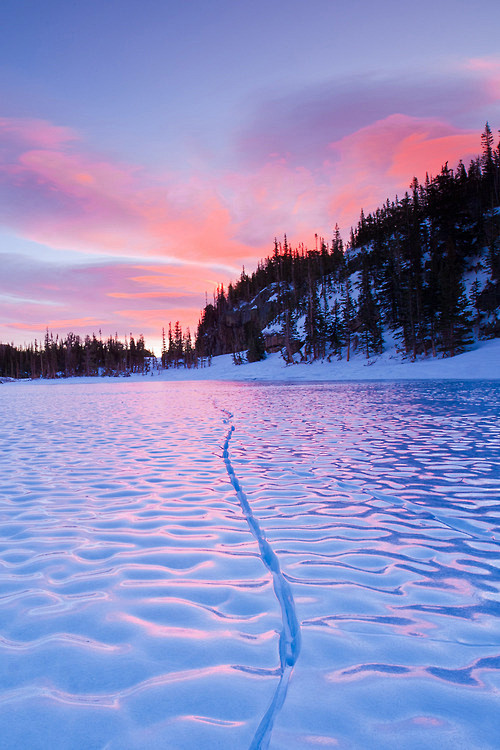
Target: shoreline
[{"x": 480, "y": 363}]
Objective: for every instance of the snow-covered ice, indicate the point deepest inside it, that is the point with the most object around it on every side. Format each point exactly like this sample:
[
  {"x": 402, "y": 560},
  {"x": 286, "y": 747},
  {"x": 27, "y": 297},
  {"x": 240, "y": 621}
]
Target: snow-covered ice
[{"x": 243, "y": 565}]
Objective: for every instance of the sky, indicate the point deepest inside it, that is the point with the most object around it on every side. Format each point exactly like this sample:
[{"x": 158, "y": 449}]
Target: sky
[{"x": 150, "y": 149}]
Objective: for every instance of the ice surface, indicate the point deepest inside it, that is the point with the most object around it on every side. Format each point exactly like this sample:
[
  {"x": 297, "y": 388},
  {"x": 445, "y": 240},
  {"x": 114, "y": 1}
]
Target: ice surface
[{"x": 139, "y": 606}]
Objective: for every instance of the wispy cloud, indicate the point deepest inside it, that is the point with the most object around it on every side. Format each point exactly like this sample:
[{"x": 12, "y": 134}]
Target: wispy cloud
[
  {"x": 299, "y": 127},
  {"x": 54, "y": 191},
  {"x": 380, "y": 160},
  {"x": 359, "y": 170},
  {"x": 486, "y": 71},
  {"x": 117, "y": 296}
]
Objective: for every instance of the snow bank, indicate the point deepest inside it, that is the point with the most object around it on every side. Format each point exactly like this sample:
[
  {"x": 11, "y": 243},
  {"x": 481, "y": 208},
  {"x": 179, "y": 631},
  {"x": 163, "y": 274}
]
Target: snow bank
[{"x": 481, "y": 363}]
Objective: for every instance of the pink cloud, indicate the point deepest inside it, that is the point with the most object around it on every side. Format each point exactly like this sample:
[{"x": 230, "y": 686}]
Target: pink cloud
[
  {"x": 298, "y": 126},
  {"x": 377, "y": 162},
  {"x": 35, "y": 133},
  {"x": 148, "y": 295},
  {"x": 359, "y": 170},
  {"x": 488, "y": 73},
  {"x": 421, "y": 152},
  {"x": 154, "y": 319},
  {"x": 36, "y": 295},
  {"x": 66, "y": 324},
  {"x": 56, "y": 193},
  {"x": 68, "y": 198}
]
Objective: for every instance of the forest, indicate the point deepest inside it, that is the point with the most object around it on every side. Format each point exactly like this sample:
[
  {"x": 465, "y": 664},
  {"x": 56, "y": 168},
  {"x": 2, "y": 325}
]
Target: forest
[
  {"x": 72, "y": 356},
  {"x": 422, "y": 270}
]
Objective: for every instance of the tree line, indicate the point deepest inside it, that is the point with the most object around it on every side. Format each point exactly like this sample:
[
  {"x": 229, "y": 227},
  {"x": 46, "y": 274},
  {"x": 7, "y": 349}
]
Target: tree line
[
  {"x": 72, "y": 355},
  {"x": 179, "y": 350}
]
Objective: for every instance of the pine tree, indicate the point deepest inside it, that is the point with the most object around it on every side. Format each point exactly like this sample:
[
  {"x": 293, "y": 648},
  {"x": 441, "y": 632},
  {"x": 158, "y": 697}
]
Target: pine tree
[
  {"x": 256, "y": 346},
  {"x": 454, "y": 321},
  {"x": 163, "y": 349},
  {"x": 348, "y": 315},
  {"x": 489, "y": 169},
  {"x": 369, "y": 315},
  {"x": 487, "y": 143},
  {"x": 336, "y": 330}
]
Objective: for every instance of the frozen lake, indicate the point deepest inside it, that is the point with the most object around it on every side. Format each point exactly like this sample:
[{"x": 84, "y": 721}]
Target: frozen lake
[{"x": 325, "y": 574}]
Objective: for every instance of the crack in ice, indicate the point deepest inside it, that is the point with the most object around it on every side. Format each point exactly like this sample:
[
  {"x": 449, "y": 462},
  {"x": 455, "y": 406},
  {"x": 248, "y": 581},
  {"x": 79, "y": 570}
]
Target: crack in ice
[{"x": 289, "y": 643}]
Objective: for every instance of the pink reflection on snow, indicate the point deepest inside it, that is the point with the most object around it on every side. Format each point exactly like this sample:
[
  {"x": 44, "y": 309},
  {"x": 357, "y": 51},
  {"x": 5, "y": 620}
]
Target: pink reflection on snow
[{"x": 156, "y": 630}]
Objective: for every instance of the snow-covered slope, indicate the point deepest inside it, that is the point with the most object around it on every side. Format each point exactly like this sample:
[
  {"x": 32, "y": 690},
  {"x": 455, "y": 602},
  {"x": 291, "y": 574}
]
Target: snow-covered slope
[{"x": 481, "y": 363}]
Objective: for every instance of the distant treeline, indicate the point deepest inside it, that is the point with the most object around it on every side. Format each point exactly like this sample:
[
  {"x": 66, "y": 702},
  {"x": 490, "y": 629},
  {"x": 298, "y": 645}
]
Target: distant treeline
[
  {"x": 91, "y": 356},
  {"x": 70, "y": 356},
  {"x": 424, "y": 268}
]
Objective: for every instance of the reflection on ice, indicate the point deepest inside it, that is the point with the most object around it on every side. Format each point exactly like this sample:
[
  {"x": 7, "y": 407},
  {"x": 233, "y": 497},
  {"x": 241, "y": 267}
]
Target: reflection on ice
[{"x": 138, "y": 608}]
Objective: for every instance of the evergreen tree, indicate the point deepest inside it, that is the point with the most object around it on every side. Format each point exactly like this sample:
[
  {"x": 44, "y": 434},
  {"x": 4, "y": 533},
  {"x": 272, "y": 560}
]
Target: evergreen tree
[
  {"x": 369, "y": 316},
  {"x": 256, "y": 347},
  {"x": 348, "y": 315}
]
